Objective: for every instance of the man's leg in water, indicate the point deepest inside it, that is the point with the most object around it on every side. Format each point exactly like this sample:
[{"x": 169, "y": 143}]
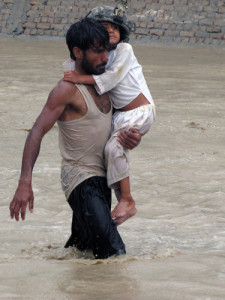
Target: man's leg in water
[{"x": 91, "y": 206}]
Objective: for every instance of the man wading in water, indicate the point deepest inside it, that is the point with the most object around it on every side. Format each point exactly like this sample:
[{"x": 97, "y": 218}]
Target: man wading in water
[{"x": 84, "y": 121}]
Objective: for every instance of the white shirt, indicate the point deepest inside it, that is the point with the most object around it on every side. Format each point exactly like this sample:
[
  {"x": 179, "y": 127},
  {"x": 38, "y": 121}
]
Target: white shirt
[{"x": 123, "y": 78}]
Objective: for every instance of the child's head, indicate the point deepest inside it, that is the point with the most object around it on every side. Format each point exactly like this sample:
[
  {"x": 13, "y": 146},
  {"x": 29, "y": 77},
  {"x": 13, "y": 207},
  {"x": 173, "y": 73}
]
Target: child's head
[
  {"x": 113, "y": 31},
  {"x": 115, "y": 24}
]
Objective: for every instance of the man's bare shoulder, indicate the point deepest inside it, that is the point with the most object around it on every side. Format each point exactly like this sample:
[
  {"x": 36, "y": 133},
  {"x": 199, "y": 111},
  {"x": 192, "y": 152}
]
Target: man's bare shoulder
[
  {"x": 63, "y": 93},
  {"x": 64, "y": 89}
]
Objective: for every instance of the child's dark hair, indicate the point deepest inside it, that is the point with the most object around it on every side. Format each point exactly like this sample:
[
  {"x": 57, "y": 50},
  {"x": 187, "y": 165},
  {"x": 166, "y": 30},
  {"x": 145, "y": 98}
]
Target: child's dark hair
[{"x": 84, "y": 34}]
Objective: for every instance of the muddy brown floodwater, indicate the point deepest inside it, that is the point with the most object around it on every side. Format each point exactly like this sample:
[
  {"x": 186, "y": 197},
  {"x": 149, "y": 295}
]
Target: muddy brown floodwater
[{"x": 176, "y": 242}]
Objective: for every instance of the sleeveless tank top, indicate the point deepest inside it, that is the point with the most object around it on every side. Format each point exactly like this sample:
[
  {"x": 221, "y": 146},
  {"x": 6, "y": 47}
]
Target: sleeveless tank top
[{"x": 82, "y": 142}]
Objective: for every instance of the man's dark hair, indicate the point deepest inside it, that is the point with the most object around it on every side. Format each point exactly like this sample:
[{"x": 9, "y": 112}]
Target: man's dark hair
[{"x": 85, "y": 34}]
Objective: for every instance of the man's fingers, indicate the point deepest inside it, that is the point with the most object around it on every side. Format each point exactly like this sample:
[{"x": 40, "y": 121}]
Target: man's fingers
[
  {"x": 128, "y": 139},
  {"x": 19, "y": 207},
  {"x": 17, "y": 212},
  {"x": 133, "y": 134},
  {"x": 12, "y": 206},
  {"x": 31, "y": 204},
  {"x": 133, "y": 130},
  {"x": 126, "y": 144},
  {"x": 23, "y": 211},
  {"x": 130, "y": 145}
]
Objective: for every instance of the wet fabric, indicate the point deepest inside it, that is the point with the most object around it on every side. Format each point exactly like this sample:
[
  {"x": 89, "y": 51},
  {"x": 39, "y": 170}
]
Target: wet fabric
[
  {"x": 82, "y": 142},
  {"x": 116, "y": 157},
  {"x": 92, "y": 224},
  {"x": 123, "y": 79}
]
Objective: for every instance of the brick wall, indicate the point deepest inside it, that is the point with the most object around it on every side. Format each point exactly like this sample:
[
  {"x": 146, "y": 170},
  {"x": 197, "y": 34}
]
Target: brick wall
[{"x": 166, "y": 21}]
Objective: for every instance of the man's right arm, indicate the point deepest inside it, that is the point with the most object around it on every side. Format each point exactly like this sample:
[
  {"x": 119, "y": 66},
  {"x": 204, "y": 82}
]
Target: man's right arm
[
  {"x": 129, "y": 139},
  {"x": 56, "y": 103}
]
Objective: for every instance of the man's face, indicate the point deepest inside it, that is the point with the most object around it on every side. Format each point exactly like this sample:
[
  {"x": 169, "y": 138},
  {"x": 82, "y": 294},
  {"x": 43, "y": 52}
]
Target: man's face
[{"x": 95, "y": 60}]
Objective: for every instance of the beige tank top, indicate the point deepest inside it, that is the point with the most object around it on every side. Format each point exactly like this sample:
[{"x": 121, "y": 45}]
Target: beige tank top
[{"x": 82, "y": 142}]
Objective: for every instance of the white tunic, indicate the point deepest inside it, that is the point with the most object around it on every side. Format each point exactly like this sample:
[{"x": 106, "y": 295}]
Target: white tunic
[{"x": 123, "y": 78}]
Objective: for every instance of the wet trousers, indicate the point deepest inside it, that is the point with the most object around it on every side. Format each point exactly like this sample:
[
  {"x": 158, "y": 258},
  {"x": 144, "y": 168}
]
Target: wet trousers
[
  {"x": 117, "y": 157},
  {"x": 92, "y": 224}
]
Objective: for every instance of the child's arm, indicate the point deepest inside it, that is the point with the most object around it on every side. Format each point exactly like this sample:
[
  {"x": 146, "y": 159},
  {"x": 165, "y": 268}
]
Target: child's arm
[
  {"x": 73, "y": 77},
  {"x": 117, "y": 70}
]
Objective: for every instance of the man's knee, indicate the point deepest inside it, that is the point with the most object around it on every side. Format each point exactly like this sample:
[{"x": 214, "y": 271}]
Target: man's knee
[{"x": 98, "y": 216}]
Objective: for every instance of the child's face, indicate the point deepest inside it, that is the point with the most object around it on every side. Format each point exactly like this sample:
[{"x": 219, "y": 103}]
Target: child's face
[{"x": 114, "y": 32}]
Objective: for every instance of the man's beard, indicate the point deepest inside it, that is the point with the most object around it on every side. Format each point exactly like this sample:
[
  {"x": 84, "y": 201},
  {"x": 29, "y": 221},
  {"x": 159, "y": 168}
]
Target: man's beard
[
  {"x": 112, "y": 47},
  {"x": 89, "y": 69}
]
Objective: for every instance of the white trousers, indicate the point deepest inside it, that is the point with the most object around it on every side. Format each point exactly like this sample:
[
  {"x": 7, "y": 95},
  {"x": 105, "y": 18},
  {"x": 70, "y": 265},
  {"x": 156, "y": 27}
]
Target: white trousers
[{"x": 116, "y": 157}]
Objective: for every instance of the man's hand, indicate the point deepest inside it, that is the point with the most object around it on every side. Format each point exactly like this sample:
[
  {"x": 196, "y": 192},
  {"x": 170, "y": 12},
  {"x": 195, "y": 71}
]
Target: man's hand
[
  {"x": 22, "y": 197},
  {"x": 129, "y": 138}
]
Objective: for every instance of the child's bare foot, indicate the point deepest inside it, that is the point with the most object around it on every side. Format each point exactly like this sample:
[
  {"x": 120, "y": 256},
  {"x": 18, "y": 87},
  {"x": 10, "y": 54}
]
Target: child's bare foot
[
  {"x": 131, "y": 213},
  {"x": 123, "y": 207},
  {"x": 124, "y": 210}
]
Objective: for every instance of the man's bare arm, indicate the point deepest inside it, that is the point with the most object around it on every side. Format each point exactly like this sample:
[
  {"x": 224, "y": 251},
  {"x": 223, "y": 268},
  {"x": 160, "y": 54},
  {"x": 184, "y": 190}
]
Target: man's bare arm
[{"x": 52, "y": 110}]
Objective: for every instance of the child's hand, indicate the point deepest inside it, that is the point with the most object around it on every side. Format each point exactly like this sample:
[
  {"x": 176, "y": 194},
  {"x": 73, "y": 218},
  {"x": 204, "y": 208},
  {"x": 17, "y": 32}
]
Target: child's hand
[{"x": 70, "y": 76}]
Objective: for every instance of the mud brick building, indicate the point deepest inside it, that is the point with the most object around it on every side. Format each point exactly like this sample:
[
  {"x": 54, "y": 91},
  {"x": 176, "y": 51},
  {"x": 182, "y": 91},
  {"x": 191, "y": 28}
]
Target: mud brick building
[{"x": 191, "y": 22}]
